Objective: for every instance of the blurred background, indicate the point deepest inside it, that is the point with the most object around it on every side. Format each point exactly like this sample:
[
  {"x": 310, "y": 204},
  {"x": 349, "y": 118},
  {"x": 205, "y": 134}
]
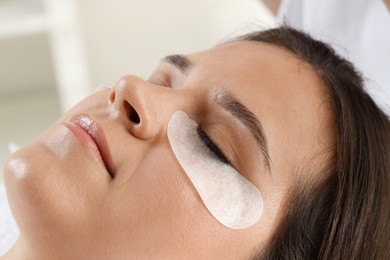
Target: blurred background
[{"x": 53, "y": 53}]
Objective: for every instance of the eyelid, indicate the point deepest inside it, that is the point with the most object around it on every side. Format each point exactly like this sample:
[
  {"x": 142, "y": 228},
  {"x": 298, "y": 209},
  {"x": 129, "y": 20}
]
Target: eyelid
[
  {"x": 212, "y": 146},
  {"x": 161, "y": 80},
  {"x": 164, "y": 81}
]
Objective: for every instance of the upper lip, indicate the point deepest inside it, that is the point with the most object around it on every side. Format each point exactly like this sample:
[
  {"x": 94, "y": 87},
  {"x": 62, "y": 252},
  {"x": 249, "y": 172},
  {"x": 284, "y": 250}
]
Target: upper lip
[{"x": 95, "y": 131}]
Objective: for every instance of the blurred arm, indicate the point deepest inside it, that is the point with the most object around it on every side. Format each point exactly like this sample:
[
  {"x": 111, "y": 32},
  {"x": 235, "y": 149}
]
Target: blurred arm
[
  {"x": 387, "y": 3},
  {"x": 273, "y": 5}
]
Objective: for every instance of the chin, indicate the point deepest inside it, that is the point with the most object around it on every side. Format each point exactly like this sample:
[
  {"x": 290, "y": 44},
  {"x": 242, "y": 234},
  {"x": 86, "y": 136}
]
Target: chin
[{"x": 40, "y": 199}]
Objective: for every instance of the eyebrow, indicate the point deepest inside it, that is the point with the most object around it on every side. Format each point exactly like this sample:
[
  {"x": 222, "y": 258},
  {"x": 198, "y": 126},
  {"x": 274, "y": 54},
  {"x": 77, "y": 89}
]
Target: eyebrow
[
  {"x": 231, "y": 104},
  {"x": 181, "y": 62}
]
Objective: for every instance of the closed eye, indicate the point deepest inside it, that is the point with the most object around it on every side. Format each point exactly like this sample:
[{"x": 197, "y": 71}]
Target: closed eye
[
  {"x": 212, "y": 146},
  {"x": 161, "y": 81}
]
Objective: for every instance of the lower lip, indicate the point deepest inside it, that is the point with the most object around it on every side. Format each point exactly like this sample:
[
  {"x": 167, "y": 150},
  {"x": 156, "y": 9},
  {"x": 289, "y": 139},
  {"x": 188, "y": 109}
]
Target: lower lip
[{"x": 86, "y": 141}]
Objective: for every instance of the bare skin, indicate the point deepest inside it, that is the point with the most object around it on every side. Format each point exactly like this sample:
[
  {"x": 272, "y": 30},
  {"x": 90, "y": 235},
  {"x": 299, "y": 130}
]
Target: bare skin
[{"x": 138, "y": 203}]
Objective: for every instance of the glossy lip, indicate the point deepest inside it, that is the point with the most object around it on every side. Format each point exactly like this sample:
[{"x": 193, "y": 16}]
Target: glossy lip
[{"x": 92, "y": 137}]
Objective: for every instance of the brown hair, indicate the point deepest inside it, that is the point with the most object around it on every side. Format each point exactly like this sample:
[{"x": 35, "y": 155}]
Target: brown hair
[{"x": 346, "y": 215}]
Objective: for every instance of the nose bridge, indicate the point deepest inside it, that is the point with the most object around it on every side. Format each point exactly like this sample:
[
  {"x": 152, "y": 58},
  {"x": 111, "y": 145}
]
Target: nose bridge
[{"x": 144, "y": 107}]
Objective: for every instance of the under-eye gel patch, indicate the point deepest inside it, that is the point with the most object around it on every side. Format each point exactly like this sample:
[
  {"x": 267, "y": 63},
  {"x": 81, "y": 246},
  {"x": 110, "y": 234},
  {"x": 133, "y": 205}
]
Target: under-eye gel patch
[{"x": 231, "y": 199}]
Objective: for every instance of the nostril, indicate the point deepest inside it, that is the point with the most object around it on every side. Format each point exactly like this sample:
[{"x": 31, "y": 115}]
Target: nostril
[
  {"x": 134, "y": 117},
  {"x": 132, "y": 114}
]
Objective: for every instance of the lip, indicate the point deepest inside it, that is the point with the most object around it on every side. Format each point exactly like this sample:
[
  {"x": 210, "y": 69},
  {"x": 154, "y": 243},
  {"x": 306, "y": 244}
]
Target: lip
[{"x": 92, "y": 138}]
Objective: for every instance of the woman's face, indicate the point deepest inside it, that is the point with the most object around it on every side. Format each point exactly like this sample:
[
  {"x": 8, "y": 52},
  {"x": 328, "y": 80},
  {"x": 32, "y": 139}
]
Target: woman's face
[{"x": 132, "y": 199}]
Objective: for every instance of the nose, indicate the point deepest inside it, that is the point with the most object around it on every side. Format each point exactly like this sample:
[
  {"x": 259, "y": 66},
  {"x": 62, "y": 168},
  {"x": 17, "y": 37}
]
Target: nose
[{"x": 132, "y": 102}]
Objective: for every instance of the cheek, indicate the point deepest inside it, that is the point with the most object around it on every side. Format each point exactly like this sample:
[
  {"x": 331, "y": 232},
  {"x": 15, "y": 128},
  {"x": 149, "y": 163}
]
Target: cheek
[
  {"x": 159, "y": 204},
  {"x": 155, "y": 188},
  {"x": 155, "y": 208},
  {"x": 159, "y": 208}
]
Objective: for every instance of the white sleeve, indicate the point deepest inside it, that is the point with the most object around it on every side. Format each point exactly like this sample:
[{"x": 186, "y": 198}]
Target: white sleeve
[
  {"x": 9, "y": 231},
  {"x": 290, "y": 13}
]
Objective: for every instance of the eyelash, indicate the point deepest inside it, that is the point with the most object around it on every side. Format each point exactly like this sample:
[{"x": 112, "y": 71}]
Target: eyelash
[{"x": 214, "y": 148}]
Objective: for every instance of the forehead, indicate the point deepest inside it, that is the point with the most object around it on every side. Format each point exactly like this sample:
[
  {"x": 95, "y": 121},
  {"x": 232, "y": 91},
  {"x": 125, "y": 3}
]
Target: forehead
[
  {"x": 282, "y": 91},
  {"x": 255, "y": 66},
  {"x": 264, "y": 76},
  {"x": 251, "y": 60}
]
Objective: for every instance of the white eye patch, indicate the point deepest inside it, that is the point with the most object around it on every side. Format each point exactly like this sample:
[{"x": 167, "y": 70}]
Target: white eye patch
[{"x": 230, "y": 198}]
